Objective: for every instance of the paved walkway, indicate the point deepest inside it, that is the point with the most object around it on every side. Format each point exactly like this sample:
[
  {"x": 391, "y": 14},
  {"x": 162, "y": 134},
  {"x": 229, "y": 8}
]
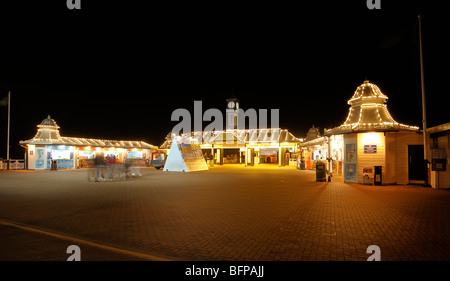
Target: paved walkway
[{"x": 229, "y": 213}]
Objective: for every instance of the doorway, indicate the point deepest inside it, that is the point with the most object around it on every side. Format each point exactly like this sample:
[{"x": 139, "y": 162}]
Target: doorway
[
  {"x": 416, "y": 165},
  {"x": 268, "y": 155},
  {"x": 231, "y": 156}
]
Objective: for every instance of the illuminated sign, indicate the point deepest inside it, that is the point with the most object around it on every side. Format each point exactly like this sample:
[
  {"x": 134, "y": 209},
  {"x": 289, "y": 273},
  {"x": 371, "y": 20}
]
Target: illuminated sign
[
  {"x": 370, "y": 149},
  {"x": 225, "y": 145}
]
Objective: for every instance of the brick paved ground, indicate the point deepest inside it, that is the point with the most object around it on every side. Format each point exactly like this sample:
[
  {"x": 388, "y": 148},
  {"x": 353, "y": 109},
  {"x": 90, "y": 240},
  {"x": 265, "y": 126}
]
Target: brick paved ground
[{"x": 228, "y": 213}]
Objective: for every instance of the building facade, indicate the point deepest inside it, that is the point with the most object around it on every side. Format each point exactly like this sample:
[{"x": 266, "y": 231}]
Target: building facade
[
  {"x": 439, "y": 156},
  {"x": 370, "y": 146},
  {"x": 244, "y": 146},
  {"x": 71, "y": 152}
]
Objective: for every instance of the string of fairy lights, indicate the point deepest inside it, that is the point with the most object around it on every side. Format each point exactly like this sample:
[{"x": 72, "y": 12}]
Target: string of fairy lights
[
  {"x": 368, "y": 111},
  {"x": 48, "y": 133}
]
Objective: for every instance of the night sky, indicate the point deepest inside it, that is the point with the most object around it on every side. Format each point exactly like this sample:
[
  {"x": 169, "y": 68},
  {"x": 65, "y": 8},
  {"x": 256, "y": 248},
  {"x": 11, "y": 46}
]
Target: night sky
[{"x": 118, "y": 70}]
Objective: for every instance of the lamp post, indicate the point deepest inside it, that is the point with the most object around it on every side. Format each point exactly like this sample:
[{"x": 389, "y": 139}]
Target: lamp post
[
  {"x": 328, "y": 138},
  {"x": 9, "y": 122},
  {"x": 424, "y": 110}
]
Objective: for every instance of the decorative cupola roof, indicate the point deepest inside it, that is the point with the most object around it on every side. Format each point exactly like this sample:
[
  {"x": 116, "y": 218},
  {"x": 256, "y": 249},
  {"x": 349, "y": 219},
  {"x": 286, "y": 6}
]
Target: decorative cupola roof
[
  {"x": 367, "y": 93},
  {"x": 313, "y": 133},
  {"x": 48, "y": 131},
  {"x": 368, "y": 112}
]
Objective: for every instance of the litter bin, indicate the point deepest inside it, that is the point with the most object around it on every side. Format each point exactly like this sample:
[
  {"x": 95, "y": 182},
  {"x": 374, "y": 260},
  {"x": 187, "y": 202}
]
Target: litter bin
[
  {"x": 321, "y": 172},
  {"x": 377, "y": 177},
  {"x": 54, "y": 165}
]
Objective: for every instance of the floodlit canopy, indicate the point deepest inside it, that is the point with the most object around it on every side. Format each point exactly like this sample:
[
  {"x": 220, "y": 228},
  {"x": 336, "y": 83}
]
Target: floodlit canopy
[
  {"x": 239, "y": 136},
  {"x": 48, "y": 133},
  {"x": 368, "y": 112}
]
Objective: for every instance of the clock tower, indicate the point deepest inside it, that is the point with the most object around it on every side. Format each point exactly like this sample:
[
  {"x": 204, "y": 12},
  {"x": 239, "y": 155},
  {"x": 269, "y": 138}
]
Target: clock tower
[{"x": 232, "y": 112}]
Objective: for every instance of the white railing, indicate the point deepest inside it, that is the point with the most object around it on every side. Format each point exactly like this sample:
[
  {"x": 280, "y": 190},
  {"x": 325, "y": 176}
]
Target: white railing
[{"x": 15, "y": 164}]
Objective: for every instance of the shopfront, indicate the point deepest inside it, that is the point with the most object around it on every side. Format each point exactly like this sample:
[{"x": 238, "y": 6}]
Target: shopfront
[
  {"x": 248, "y": 147},
  {"x": 69, "y": 152},
  {"x": 64, "y": 154},
  {"x": 337, "y": 153}
]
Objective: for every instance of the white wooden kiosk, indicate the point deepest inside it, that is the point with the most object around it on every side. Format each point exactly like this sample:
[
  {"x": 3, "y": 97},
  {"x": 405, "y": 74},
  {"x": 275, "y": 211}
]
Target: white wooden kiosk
[
  {"x": 372, "y": 138},
  {"x": 72, "y": 152}
]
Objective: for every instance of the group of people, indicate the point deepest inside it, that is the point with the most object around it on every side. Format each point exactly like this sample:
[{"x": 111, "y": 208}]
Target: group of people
[
  {"x": 109, "y": 168},
  {"x": 209, "y": 159}
]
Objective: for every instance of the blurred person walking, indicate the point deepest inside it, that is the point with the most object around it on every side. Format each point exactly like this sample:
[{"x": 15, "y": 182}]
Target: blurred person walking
[
  {"x": 99, "y": 164},
  {"x": 135, "y": 169},
  {"x": 127, "y": 167},
  {"x": 110, "y": 163}
]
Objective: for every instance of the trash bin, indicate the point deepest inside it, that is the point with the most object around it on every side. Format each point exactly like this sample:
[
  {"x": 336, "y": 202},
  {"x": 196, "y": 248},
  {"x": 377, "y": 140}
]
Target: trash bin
[
  {"x": 366, "y": 180},
  {"x": 377, "y": 178},
  {"x": 321, "y": 172},
  {"x": 54, "y": 165}
]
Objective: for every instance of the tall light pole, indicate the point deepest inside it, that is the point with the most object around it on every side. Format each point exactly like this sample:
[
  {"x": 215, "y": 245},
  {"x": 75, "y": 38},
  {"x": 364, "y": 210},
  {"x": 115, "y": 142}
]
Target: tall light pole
[
  {"x": 424, "y": 109},
  {"x": 9, "y": 122}
]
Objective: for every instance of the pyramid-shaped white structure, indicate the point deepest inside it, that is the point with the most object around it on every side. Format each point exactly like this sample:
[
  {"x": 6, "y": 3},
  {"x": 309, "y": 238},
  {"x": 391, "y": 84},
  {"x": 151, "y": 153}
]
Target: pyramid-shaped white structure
[{"x": 184, "y": 156}]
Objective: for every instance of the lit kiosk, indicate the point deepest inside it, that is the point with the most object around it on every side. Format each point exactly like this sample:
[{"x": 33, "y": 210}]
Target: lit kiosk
[
  {"x": 376, "y": 148},
  {"x": 71, "y": 152}
]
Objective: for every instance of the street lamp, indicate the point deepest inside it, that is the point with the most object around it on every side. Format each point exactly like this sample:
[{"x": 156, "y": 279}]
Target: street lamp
[{"x": 424, "y": 110}]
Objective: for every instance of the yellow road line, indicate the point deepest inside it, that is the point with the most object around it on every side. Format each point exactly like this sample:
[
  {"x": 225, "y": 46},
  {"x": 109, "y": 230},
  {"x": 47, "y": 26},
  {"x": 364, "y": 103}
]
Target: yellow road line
[{"x": 81, "y": 241}]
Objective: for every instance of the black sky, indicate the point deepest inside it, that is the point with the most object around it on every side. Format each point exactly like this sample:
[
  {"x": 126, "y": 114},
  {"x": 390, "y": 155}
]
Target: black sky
[{"x": 119, "y": 69}]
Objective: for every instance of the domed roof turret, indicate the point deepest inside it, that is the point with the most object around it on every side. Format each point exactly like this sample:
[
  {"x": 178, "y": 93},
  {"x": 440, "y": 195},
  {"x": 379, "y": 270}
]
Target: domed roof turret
[
  {"x": 313, "y": 133},
  {"x": 368, "y": 112},
  {"x": 48, "y": 122},
  {"x": 367, "y": 93},
  {"x": 48, "y": 131}
]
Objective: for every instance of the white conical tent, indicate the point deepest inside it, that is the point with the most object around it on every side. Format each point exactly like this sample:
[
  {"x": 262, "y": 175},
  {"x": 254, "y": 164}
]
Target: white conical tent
[
  {"x": 175, "y": 162},
  {"x": 368, "y": 112},
  {"x": 184, "y": 156}
]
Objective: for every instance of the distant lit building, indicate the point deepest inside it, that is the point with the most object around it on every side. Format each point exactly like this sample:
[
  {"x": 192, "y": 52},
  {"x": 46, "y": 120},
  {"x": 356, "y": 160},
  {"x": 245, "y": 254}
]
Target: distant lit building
[
  {"x": 315, "y": 148},
  {"x": 245, "y": 146},
  {"x": 370, "y": 146},
  {"x": 70, "y": 152}
]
